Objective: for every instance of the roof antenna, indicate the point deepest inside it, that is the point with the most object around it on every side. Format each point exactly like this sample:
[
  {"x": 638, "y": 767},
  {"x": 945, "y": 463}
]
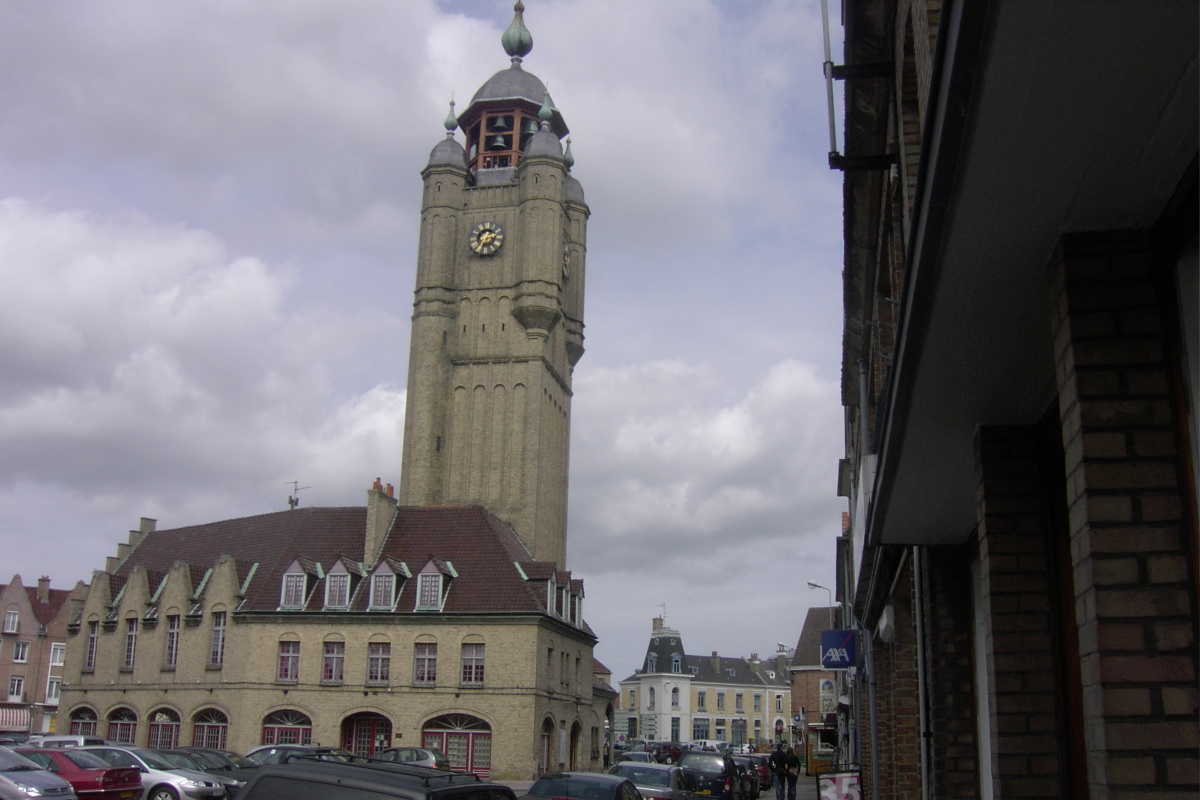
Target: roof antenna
[{"x": 294, "y": 497}]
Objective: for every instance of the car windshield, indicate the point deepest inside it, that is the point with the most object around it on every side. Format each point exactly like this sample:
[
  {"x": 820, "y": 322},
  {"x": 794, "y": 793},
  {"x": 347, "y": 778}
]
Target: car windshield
[
  {"x": 241, "y": 762},
  {"x": 85, "y": 760},
  {"x": 574, "y": 787},
  {"x": 155, "y": 761},
  {"x": 13, "y": 762},
  {"x": 180, "y": 761},
  {"x": 642, "y": 776}
]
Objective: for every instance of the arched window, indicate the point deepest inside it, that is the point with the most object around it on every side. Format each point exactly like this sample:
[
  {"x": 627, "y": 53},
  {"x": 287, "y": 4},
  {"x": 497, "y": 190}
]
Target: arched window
[
  {"x": 466, "y": 741},
  {"x": 650, "y": 698},
  {"x": 209, "y": 729},
  {"x": 287, "y": 727},
  {"x": 163, "y": 730},
  {"x": 122, "y": 725},
  {"x": 675, "y": 697},
  {"x": 83, "y": 722}
]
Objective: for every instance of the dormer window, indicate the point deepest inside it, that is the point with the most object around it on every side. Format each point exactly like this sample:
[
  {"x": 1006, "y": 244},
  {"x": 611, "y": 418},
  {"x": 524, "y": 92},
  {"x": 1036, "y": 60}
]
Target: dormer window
[
  {"x": 652, "y": 664},
  {"x": 337, "y": 590},
  {"x": 293, "y": 590},
  {"x": 429, "y": 591},
  {"x": 383, "y": 591},
  {"x": 676, "y": 664}
]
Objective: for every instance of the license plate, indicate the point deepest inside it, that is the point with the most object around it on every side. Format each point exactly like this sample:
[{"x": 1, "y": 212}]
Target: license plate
[
  {"x": 703, "y": 791},
  {"x": 128, "y": 794}
]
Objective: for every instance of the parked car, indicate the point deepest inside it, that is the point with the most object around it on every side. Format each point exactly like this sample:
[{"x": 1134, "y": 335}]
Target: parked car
[
  {"x": 416, "y": 756},
  {"x": 655, "y": 781},
  {"x": 713, "y": 774},
  {"x": 364, "y": 780},
  {"x": 21, "y": 778},
  {"x": 90, "y": 776},
  {"x": 749, "y": 777},
  {"x": 234, "y": 762},
  {"x": 161, "y": 779},
  {"x": 640, "y": 756},
  {"x": 285, "y": 753},
  {"x": 766, "y": 778},
  {"x": 667, "y": 752},
  {"x": 198, "y": 762},
  {"x": 583, "y": 786}
]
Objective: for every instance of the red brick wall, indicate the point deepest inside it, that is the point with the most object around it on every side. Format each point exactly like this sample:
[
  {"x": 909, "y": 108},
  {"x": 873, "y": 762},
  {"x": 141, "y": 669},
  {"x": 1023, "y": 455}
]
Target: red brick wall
[
  {"x": 1135, "y": 599},
  {"x": 897, "y": 718}
]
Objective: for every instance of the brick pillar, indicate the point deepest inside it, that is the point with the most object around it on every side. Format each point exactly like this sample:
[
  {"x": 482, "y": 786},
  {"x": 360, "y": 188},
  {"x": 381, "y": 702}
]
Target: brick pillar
[
  {"x": 955, "y": 771},
  {"x": 1135, "y": 604},
  {"x": 1014, "y": 552},
  {"x": 896, "y": 691}
]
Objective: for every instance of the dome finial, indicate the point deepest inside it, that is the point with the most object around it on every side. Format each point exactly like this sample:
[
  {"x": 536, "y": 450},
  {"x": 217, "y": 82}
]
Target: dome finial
[
  {"x": 517, "y": 40},
  {"x": 451, "y": 121},
  {"x": 545, "y": 113},
  {"x": 568, "y": 159}
]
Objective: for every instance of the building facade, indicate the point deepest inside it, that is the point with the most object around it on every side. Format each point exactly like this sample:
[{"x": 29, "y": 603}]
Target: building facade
[
  {"x": 678, "y": 697},
  {"x": 445, "y": 618},
  {"x": 33, "y": 640},
  {"x": 1020, "y": 387},
  {"x": 815, "y": 693}
]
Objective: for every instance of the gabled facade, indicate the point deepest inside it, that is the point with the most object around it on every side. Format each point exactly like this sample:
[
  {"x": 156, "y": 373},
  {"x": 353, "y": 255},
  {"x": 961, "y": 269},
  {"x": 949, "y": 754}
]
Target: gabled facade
[
  {"x": 278, "y": 629},
  {"x": 33, "y": 636},
  {"x": 815, "y": 692},
  {"x": 680, "y": 698},
  {"x": 1021, "y": 383}
]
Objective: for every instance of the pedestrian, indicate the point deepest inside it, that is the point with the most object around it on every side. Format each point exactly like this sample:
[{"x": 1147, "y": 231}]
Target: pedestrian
[
  {"x": 777, "y": 763},
  {"x": 791, "y": 771}
]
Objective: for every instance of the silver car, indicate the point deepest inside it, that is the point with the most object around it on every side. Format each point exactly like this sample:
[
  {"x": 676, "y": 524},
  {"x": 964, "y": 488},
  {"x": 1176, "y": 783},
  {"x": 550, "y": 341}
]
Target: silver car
[
  {"x": 657, "y": 781},
  {"x": 162, "y": 779},
  {"x": 20, "y": 778},
  {"x": 416, "y": 756}
]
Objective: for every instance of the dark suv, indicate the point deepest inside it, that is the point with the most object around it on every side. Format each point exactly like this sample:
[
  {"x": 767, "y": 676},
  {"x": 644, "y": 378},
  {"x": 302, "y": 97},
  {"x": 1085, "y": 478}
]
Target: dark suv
[
  {"x": 332, "y": 780},
  {"x": 713, "y": 774}
]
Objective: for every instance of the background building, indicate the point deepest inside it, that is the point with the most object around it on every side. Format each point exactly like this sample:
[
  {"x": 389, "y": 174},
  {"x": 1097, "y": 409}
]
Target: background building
[
  {"x": 815, "y": 691},
  {"x": 679, "y": 697},
  {"x": 32, "y": 652},
  {"x": 449, "y": 620},
  {"x": 1020, "y": 390}
]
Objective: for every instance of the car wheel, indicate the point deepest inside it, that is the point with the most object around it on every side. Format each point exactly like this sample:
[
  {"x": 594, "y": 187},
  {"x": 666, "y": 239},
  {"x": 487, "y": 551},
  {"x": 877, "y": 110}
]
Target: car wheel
[
  {"x": 162, "y": 793},
  {"x": 668, "y": 760}
]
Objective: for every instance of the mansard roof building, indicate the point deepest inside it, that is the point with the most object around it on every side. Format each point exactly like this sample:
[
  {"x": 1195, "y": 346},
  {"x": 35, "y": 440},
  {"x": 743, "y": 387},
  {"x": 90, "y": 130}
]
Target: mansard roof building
[{"x": 680, "y": 697}]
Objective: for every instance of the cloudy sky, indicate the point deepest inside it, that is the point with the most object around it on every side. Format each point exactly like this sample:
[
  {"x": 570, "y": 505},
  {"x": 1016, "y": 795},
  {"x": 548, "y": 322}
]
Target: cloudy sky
[{"x": 208, "y": 217}]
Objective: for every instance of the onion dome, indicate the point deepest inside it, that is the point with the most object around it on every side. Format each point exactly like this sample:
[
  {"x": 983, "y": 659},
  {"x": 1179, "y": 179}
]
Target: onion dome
[
  {"x": 517, "y": 40},
  {"x": 448, "y": 152}
]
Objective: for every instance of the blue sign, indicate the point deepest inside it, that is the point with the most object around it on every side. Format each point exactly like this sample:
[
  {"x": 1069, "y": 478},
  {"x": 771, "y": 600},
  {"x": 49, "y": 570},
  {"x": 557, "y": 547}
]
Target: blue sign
[{"x": 838, "y": 650}]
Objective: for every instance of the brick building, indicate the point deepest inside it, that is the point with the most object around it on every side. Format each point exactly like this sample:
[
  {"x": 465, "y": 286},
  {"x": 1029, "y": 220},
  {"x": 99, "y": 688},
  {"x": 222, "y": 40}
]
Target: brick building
[
  {"x": 447, "y": 619},
  {"x": 815, "y": 691},
  {"x": 32, "y": 652},
  {"x": 1020, "y": 387}
]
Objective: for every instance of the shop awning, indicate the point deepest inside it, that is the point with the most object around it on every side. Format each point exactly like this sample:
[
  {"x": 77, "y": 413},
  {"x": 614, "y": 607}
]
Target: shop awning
[{"x": 14, "y": 718}]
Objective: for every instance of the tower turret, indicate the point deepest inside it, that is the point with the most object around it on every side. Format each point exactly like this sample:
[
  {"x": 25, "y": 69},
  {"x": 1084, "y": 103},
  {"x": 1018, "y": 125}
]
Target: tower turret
[{"x": 498, "y": 310}]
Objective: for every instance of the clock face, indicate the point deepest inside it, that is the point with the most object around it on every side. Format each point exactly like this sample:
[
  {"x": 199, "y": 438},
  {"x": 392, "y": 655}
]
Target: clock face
[{"x": 486, "y": 238}]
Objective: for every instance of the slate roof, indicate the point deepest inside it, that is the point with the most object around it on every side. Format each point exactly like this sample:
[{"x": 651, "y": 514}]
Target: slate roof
[
  {"x": 482, "y": 550},
  {"x": 808, "y": 648},
  {"x": 666, "y": 643}
]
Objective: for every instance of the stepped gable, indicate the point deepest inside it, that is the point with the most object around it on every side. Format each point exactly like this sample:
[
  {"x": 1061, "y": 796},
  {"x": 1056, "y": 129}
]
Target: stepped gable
[
  {"x": 43, "y": 612},
  {"x": 273, "y": 541},
  {"x": 482, "y": 549}
]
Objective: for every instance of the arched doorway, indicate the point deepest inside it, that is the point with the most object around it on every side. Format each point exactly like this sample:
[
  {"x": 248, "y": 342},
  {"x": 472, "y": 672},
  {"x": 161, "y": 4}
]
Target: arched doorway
[
  {"x": 122, "y": 725},
  {"x": 573, "y": 751},
  {"x": 209, "y": 728},
  {"x": 164, "y": 730},
  {"x": 547, "y": 761},
  {"x": 466, "y": 741},
  {"x": 84, "y": 722},
  {"x": 287, "y": 727},
  {"x": 367, "y": 733}
]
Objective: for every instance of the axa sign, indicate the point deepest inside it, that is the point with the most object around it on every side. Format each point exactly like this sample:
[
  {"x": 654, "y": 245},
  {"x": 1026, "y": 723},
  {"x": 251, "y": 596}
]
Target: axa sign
[{"x": 838, "y": 649}]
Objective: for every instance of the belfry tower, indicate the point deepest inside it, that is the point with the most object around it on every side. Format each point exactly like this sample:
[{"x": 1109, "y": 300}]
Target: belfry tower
[{"x": 498, "y": 313}]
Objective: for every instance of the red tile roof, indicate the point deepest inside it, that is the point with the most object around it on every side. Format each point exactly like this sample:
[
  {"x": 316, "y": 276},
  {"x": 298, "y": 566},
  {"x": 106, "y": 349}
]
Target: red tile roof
[{"x": 482, "y": 549}]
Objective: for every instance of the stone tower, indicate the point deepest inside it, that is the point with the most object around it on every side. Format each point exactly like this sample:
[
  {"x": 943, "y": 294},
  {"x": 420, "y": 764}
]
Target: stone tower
[{"x": 498, "y": 313}]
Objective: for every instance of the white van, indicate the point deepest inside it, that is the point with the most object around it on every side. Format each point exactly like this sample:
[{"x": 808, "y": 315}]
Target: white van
[{"x": 63, "y": 741}]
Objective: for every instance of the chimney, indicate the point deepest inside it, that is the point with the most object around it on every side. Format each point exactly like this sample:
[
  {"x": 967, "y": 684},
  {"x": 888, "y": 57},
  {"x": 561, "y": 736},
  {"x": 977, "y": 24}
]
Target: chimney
[
  {"x": 43, "y": 590},
  {"x": 781, "y": 663},
  {"x": 656, "y": 625},
  {"x": 715, "y": 660},
  {"x": 381, "y": 510}
]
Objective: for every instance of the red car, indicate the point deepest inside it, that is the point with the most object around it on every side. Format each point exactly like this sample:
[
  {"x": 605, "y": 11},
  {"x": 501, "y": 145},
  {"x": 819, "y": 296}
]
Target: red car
[{"x": 92, "y": 777}]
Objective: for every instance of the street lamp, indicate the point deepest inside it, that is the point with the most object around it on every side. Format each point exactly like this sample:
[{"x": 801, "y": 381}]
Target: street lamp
[{"x": 814, "y": 585}]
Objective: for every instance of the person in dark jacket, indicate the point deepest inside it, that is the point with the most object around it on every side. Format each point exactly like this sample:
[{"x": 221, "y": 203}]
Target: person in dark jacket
[{"x": 777, "y": 763}]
